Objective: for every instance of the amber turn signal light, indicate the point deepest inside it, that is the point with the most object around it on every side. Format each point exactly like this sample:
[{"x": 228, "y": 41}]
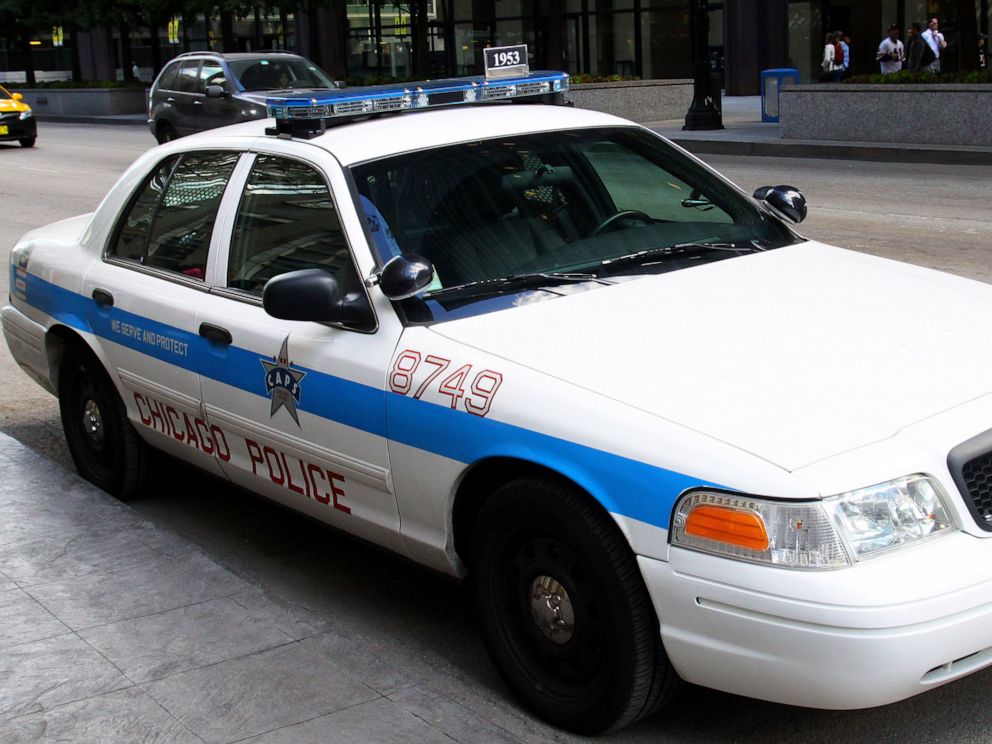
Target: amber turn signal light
[{"x": 740, "y": 528}]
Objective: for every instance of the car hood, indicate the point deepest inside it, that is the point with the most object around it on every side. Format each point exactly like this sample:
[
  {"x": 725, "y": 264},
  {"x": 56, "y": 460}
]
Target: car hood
[
  {"x": 9, "y": 104},
  {"x": 794, "y": 355}
]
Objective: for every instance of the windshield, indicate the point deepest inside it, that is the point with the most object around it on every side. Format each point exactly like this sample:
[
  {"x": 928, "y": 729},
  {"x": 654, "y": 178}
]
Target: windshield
[
  {"x": 4, "y": 94},
  {"x": 598, "y": 204},
  {"x": 279, "y": 73}
]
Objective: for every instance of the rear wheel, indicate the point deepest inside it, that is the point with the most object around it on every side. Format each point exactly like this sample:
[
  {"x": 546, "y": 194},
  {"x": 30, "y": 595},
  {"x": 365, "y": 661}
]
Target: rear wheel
[
  {"x": 104, "y": 446},
  {"x": 27, "y": 141},
  {"x": 565, "y": 613}
]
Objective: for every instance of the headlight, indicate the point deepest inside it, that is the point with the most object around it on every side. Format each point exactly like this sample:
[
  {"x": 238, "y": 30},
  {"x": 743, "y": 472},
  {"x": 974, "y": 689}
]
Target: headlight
[
  {"x": 830, "y": 533},
  {"x": 890, "y": 514},
  {"x": 25, "y": 115}
]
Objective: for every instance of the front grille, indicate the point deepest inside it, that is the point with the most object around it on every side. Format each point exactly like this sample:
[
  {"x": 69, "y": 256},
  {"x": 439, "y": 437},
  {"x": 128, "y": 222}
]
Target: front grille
[{"x": 977, "y": 476}]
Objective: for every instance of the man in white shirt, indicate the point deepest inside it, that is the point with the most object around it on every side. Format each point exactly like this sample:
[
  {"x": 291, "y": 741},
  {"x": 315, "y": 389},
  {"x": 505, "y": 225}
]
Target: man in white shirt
[
  {"x": 891, "y": 52},
  {"x": 935, "y": 39}
]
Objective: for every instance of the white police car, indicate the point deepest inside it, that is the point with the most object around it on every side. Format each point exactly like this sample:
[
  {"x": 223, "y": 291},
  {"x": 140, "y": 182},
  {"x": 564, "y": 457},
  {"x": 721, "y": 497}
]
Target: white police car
[{"x": 543, "y": 348}]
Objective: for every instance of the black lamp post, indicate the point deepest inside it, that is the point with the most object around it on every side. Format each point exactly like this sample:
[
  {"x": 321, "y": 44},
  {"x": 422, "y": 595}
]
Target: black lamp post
[{"x": 703, "y": 113}]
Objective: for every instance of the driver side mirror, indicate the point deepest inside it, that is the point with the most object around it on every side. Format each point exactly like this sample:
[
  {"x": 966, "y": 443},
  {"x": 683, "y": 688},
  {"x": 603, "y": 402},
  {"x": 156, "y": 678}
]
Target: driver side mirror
[
  {"x": 786, "y": 202},
  {"x": 17, "y": 96},
  {"x": 404, "y": 276},
  {"x": 314, "y": 295},
  {"x": 216, "y": 91}
]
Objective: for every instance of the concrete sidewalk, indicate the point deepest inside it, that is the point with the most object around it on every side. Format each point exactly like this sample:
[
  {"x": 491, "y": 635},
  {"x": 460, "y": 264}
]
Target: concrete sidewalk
[
  {"x": 115, "y": 630},
  {"x": 744, "y": 134}
]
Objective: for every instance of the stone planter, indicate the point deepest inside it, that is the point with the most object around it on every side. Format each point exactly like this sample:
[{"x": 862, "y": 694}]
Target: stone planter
[
  {"x": 906, "y": 114},
  {"x": 638, "y": 100},
  {"x": 65, "y": 102}
]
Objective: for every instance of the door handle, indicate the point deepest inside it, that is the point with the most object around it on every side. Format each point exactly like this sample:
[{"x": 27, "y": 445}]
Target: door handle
[
  {"x": 170, "y": 99},
  {"x": 103, "y": 298},
  {"x": 215, "y": 333},
  {"x": 197, "y": 103}
]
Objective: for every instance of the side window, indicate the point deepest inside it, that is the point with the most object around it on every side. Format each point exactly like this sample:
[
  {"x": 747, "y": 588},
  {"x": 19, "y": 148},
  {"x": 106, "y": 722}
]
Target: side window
[
  {"x": 287, "y": 221},
  {"x": 187, "y": 81},
  {"x": 168, "y": 79},
  {"x": 211, "y": 74},
  {"x": 170, "y": 222},
  {"x": 635, "y": 183},
  {"x": 132, "y": 233}
]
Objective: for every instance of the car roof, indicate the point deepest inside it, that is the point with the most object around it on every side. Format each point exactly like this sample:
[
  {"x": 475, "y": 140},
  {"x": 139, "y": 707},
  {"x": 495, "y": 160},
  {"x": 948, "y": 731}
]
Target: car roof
[{"x": 359, "y": 141}]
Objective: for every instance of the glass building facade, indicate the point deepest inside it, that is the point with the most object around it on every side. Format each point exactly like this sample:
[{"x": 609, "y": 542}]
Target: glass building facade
[{"x": 372, "y": 39}]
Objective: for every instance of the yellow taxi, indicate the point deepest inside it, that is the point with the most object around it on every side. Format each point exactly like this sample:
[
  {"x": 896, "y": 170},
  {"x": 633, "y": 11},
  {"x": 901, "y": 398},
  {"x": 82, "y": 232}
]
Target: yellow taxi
[{"x": 16, "y": 120}]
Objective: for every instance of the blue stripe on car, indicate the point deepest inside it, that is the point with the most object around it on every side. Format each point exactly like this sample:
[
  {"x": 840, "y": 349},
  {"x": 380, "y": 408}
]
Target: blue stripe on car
[{"x": 624, "y": 486}]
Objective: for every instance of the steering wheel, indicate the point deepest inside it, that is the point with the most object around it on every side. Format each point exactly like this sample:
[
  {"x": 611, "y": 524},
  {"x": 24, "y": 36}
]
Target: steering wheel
[{"x": 623, "y": 214}]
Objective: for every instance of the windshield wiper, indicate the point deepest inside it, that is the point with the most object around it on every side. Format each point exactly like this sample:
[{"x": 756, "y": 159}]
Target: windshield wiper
[
  {"x": 679, "y": 249},
  {"x": 512, "y": 283}
]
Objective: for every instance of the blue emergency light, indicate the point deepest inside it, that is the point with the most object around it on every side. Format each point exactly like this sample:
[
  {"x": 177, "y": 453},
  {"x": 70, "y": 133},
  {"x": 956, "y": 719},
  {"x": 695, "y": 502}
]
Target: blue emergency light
[{"x": 307, "y": 113}]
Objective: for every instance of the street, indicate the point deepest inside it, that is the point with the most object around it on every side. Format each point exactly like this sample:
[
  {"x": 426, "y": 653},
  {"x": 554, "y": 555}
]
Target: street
[{"x": 935, "y": 216}]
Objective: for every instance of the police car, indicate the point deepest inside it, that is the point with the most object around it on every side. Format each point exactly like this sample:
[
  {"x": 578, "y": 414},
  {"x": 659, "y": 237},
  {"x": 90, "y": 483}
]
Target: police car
[{"x": 665, "y": 437}]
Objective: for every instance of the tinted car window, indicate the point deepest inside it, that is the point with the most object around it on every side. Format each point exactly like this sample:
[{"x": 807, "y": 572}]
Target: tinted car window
[
  {"x": 188, "y": 79},
  {"x": 211, "y": 74},
  {"x": 132, "y": 233},
  {"x": 167, "y": 80},
  {"x": 287, "y": 221},
  {"x": 279, "y": 73},
  {"x": 170, "y": 222}
]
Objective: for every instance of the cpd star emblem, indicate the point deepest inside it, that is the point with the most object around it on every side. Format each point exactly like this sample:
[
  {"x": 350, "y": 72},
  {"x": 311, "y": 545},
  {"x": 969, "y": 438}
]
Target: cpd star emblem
[{"x": 282, "y": 382}]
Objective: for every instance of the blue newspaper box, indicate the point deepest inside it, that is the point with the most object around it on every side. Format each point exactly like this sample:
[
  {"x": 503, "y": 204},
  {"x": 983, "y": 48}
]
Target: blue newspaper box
[{"x": 771, "y": 90}]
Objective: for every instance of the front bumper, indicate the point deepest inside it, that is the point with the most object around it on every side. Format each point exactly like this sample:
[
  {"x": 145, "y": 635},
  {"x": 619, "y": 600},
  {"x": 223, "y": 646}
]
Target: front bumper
[
  {"x": 17, "y": 128},
  {"x": 881, "y": 631}
]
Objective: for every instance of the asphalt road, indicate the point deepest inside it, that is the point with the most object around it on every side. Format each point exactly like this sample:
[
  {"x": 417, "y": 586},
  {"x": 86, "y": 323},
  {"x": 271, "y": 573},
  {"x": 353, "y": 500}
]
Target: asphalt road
[{"x": 935, "y": 216}]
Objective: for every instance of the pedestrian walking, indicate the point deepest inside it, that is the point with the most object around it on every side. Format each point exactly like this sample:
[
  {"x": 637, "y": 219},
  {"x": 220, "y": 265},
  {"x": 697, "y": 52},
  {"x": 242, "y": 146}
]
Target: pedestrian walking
[
  {"x": 891, "y": 52},
  {"x": 846, "y": 48},
  {"x": 935, "y": 40},
  {"x": 916, "y": 49},
  {"x": 833, "y": 58}
]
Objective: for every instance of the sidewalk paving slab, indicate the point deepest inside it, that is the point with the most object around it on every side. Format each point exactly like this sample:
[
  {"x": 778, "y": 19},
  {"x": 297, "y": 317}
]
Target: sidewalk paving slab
[{"x": 115, "y": 630}]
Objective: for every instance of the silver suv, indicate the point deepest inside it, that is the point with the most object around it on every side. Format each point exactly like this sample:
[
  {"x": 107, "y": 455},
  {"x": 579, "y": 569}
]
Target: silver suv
[{"x": 204, "y": 90}]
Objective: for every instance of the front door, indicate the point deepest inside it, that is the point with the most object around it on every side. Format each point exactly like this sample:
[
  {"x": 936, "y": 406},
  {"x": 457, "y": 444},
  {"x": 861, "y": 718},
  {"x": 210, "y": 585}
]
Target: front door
[{"x": 302, "y": 404}]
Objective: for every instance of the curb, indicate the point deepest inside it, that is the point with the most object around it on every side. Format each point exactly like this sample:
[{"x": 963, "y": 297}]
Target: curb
[{"x": 113, "y": 120}]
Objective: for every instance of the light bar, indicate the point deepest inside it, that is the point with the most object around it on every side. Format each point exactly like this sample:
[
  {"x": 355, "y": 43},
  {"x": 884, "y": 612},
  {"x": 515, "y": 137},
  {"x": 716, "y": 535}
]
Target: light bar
[{"x": 366, "y": 101}]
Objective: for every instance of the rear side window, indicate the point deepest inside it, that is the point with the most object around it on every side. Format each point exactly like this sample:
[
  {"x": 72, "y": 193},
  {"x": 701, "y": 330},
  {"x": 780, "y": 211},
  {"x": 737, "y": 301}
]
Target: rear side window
[
  {"x": 167, "y": 80},
  {"x": 169, "y": 224}
]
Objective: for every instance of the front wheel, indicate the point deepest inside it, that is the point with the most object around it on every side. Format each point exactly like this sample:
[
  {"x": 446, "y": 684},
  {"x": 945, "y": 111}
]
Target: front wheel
[
  {"x": 104, "y": 446},
  {"x": 565, "y": 613},
  {"x": 27, "y": 141}
]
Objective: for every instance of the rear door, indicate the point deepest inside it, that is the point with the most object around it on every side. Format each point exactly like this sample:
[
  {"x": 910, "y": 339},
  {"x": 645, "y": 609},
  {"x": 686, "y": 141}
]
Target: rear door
[{"x": 146, "y": 296}]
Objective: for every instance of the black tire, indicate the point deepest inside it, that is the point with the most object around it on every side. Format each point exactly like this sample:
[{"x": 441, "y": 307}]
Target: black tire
[
  {"x": 165, "y": 132},
  {"x": 609, "y": 668},
  {"x": 27, "y": 141},
  {"x": 104, "y": 446}
]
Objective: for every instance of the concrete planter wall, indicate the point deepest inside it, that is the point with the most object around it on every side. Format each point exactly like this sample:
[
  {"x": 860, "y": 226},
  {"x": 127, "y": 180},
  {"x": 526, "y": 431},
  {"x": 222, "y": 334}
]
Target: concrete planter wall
[
  {"x": 638, "y": 100},
  {"x": 909, "y": 114},
  {"x": 84, "y": 101}
]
